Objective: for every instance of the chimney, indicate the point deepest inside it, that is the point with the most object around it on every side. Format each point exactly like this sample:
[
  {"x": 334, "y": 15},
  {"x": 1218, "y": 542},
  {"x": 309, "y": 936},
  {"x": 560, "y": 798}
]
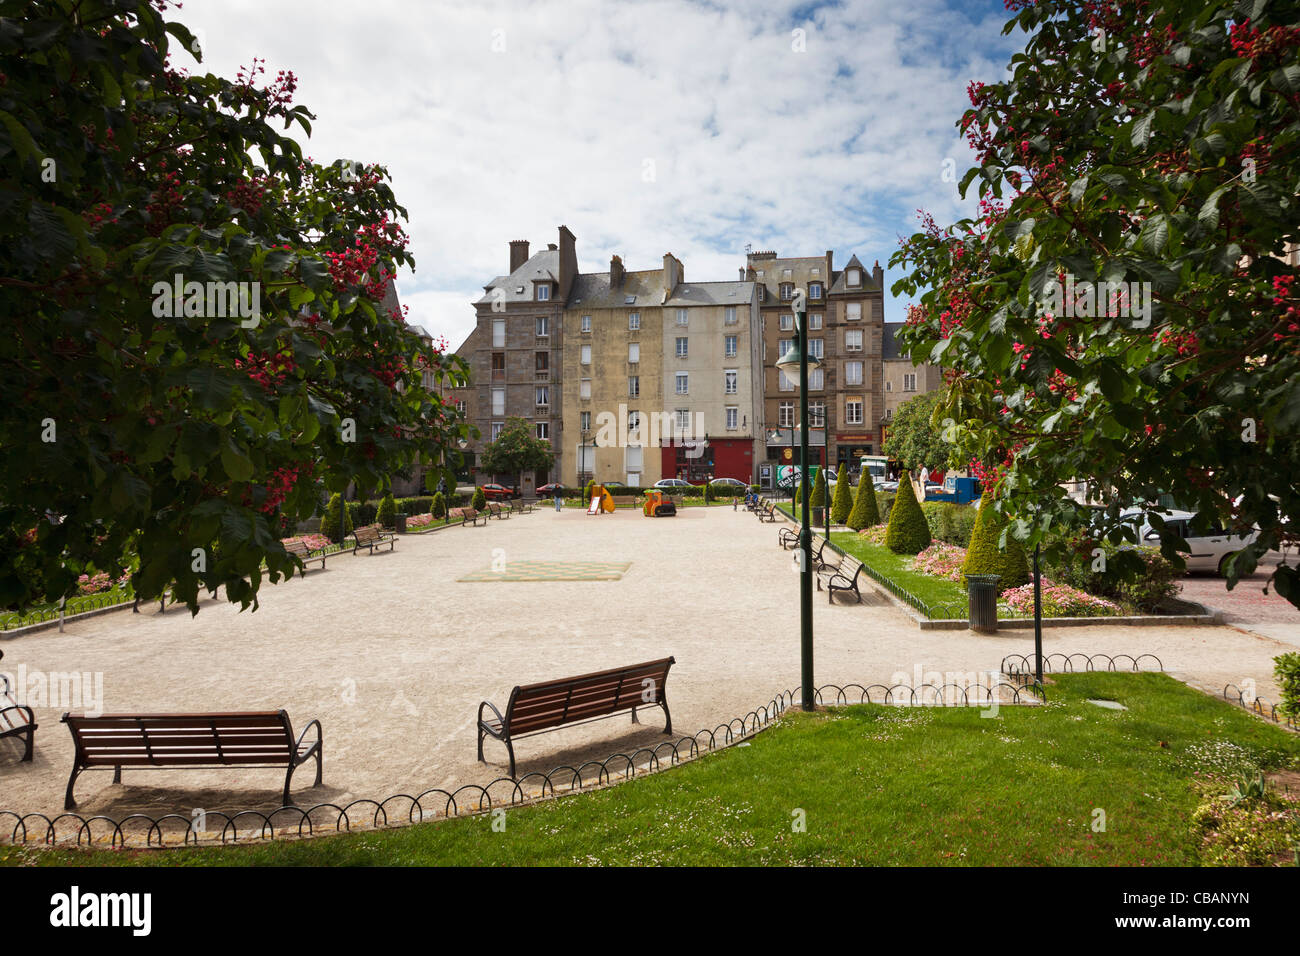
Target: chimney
[
  {"x": 615, "y": 272},
  {"x": 568, "y": 261},
  {"x": 518, "y": 254},
  {"x": 742, "y": 273},
  {"x": 829, "y": 273},
  {"x": 673, "y": 273},
  {"x": 878, "y": 274}
]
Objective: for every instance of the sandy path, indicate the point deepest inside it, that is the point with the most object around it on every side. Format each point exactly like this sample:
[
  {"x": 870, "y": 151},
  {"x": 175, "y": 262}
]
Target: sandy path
[{"x": 393, "y": 655}]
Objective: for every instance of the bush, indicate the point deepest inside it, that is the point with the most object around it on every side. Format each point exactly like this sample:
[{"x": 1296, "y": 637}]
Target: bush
[
  {"x": 336, "y": 522},
  {"x": 387, "y": 513},
  {"x": 884, "y": 504},
  {"x": 1139, "y": 578},
  {"x": 1015, "y": 568},
  {"x": 982, "y": 555},
  {"x": 842, "y": 500},
  {"x": 866, "y": 510},
  {"x": 439, "y": 506},
  {"x": 950, "y": 523},
  {"x": 586, "y": 492},
  {"x": 479, "y": 502},
  {"x": 1286, "y": 668},
  {"x": 1059, "y": 600},
  {"x": 907, "y": 532},
  {"x": 818, "y": 499}
]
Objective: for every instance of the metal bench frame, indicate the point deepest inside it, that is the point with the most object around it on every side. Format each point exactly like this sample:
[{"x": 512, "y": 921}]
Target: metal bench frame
[{"x": 10, "y": 726}]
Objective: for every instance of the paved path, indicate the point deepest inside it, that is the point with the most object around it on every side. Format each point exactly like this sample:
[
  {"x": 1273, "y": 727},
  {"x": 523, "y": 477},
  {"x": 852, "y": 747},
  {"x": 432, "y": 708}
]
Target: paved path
[
  {"x": 1246, "y": 606},
  {"x": 393, "y": 653}
]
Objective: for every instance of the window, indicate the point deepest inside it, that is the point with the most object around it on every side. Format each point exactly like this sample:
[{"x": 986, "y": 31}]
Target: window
[
  {"x": 889, "y": 386},
  {"x": 584, "y": 388},
  {"x": 498, "y": 401},
  {"x": 853, "y": 340},
  {"x": 496, "y": 430},
  {"x": 909, "y": 381},
  {"x": 542, "y": 363},
  {"x": 875, "y": 309},
  {"x": 729, "y": 345},
  {"x": 730, "y": 315},
  {"x": 633, "y": 422},
  {"x": 633, "y": 386},
  {"x": 683, "y": 383},
  {"x": 585, "y": 355},
  {"x": 816, "y": 414},
  {"x": 785, "y": 415},
  {"x": 543, "y": 292},
  {"x": 783, "y": 346},
  {"x": 852, "y": 311},
  {"x": 787, "y": 291},
  {"x": 681, "y": 346},
  {"x": 733, "y": 417},
  {"x": 586, "y": 323},
  {"x": 542, "y": 326},
  {"x": 854, "y": 278},
  {"x": 544, "y": 430},
  {"x": 852, "y": 373},
  {"x": 889, "y": 413},
  {"x": 683, "y": 419},
  {"x": 853, "y": 411},
  {"x": 783, "y": 382},
  {"x": 787, "y": 323},
  {"x": 816, "y": 380},
  {"x": 498, "y": 366},
  {"x": 816, "y": 348},
  {"x": 682, "y": 317},
  {"x": 814, "y": 320},
  {"x": 730, "y": 381},
  {"x": 634, "y": 352},
  {"x": 762, "y": 291},
  {"x": 633, "y": 321},
  {"x": 543, "y": 396},
  {"x": 629, "y": 299},
  {"x": 787, "y": 272},
  {"x": 584, "y": 421},
  {"x": 814, "y": 290},
  {"x": 633, "y": 456},
  {"x": 461, "y": 406},
  {"x": 498, "y": 333}
]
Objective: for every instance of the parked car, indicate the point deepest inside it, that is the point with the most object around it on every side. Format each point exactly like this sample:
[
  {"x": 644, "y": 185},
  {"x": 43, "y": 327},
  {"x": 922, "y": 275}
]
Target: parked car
[
  {"x": 672, "y": 483},
  {"x": 730, "y": 482},
  {"x": 550, "y": 490},
  {"x": 1210, "y": 550},
  {"x": 495, "y": 492}
]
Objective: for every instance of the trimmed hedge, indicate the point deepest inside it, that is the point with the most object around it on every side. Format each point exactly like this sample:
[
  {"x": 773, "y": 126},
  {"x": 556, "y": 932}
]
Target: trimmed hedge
[
  {"x": 950, "y": 523},
  {"x": 986, "y": 556},
  {"x": 387, "y": 513},
  {"x": 907, "y": 532},
  {"x": 438, "y": 508},
  {"x": 479, "y": 501},
  {"x": 866, "y": 510},
  {"x": 336, "y": 522},
  {"x": 842, "y": 499},
  {"x": 818, "y": 499}
]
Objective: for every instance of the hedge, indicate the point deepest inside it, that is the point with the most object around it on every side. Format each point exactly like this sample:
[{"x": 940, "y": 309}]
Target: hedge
[
  {"x": 907, "y": 532},
  {"x": 950, "y": 523},
  {"x": 866, "y": 510},
  {"x": 842, "y": 500},
  {"x": 334, "y": 513}
]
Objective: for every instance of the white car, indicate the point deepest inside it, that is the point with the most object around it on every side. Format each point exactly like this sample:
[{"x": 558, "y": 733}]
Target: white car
[
  {"x": 672, "y": 483},
  {"x": 1209, "y": 552},
  {"x": 729, "y": 482}
]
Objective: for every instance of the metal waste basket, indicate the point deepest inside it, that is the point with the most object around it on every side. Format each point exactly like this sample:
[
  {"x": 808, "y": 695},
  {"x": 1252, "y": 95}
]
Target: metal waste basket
[{"x": 982, "y": 591}]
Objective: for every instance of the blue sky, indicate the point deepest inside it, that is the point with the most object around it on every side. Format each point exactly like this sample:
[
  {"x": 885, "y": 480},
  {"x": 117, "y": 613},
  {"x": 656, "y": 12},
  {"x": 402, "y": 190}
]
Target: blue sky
[{"x": 645, "y": 127}]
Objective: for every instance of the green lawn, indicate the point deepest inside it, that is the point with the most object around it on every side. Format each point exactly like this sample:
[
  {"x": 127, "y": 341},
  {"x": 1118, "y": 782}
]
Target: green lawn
[
  {"x": 875, "y": 784},
  {"x": 928, "y": 588}
]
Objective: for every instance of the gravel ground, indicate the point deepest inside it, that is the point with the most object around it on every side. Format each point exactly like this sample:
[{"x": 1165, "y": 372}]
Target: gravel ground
[{"x": 393, "y": 655}]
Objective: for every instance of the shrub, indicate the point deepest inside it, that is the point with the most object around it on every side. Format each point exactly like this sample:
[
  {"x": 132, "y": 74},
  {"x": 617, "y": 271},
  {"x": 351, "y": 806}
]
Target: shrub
[
  {"x": 1015, "y": 568},
  {"x": 1145, "y": 588},
  {"x": 337, "y": 521},
  {"x": 818, "y": 499},
  {"x": 586, "y": 492},
  {"x": 842, "y": 500},
  {"x": 949, "y": 522},
  {"x": 387, "y": 513},
  {"x": 907, "y": 532},
  {"x": 1059, "y": 600},
  {"x": 479, "y": 500},
  {"x": 439, "y": 507},
  {"x": 1286, "y": 668},
  {"x": 983, "y": 556},
  {"x": 884, "y": 504},
  {"x": 865, "y": 511},
  {"x": 941, "y": 560}
]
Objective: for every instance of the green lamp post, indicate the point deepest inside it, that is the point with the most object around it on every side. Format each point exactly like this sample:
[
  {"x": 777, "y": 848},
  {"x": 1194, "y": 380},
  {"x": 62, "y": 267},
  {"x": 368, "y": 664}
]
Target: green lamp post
[{"x": 797, "y": 358}]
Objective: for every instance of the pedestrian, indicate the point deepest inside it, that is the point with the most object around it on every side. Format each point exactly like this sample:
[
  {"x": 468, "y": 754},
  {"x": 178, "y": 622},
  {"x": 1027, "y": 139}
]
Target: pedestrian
[
  {"x": 559, "y": 498},
  {"x": 925, "y": 476}
]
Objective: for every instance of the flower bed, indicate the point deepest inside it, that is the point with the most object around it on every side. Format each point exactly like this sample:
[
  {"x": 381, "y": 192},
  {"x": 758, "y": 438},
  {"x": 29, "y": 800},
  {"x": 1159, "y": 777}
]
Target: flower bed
[
  {"x": 941, "y": 561},
  {"x": 419, "y": 521},
  {"x": 314, "y": 542},
  {"x": 1059, "y": 600}
]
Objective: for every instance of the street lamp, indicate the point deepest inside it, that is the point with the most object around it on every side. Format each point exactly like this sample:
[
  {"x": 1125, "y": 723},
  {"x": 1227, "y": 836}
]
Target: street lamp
[{"x": 798, "y": 358}]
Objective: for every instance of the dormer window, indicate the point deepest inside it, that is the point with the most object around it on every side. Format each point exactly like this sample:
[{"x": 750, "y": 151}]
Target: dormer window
[
  {"x": 814, "y": 290},
  {"x": 787, "y": 291},
  {"x": 855, "y": 278},
  {"x": 543, "y": 292}
]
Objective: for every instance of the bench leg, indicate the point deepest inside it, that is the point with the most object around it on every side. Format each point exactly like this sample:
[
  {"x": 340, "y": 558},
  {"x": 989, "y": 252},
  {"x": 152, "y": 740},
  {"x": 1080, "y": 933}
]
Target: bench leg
[
  {"x": 288, "y": 778},
  {"x": 663, "y": 702},
  {"x": 68, "y": 802},
  {"x": 117, "y": 774},
  {"x": 31, "y": 735},
  {"x": 320, "y": 763},
  {"x": 510, "y": 747},
  {"x": 634, "y": 720},
  {"x": 480, "y": 746}
]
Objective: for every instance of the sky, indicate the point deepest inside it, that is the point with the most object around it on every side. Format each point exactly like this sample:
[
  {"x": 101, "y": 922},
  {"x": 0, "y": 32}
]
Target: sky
[{"x": 645, "y": 126}]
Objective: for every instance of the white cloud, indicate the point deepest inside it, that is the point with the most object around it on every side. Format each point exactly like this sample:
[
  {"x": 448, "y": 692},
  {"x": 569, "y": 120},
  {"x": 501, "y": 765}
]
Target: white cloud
[{"x": 749, "y": 141}]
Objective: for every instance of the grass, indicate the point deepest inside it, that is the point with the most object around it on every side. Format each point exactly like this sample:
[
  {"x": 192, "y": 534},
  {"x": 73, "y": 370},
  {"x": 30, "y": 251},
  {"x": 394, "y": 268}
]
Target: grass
[
  {"x": 76, "y": 605},
  {"x": 875, "y": 785},
  {"x": 928, "y": 588}
]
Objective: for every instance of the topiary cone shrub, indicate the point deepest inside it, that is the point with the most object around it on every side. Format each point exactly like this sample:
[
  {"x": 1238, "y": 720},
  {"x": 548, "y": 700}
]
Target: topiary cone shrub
[
  {"x": 335, "y": 523},
  {"x": 387, "y": 513},
  {"x": 907, "y": 532},
  {"x": 479, "y": 502},
  {"x": 865, "y": 512},
  {"x": 983, "y": 556},
  {"x": 1014, "y": 563},
  {"x": 842, "y": 500},
  {"x": 439, "y": 507},
  {"x": 819, "y": 490}
]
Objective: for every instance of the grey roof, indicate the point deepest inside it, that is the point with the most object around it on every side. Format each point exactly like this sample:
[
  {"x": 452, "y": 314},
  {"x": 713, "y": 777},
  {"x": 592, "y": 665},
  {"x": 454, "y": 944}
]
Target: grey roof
[
  {"x": 543, "y": 265},
  {"x": 888, "y": 346},
  {"x": 840, "y": 285},
  {"x": 591, "y": 290},
  {"x": 711, "y": 293}
]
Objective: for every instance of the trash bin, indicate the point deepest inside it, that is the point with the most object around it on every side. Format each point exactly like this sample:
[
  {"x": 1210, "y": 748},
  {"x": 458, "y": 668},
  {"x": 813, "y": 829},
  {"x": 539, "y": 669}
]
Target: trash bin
[
  {"x": 401, "y": 524},
  {"x": 982, "y": 592}
]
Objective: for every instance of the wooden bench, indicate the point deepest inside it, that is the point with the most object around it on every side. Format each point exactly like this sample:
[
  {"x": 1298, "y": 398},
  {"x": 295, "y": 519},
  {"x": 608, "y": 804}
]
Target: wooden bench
[
  {"x": 538, "y": 708},
  {"x": 16, "y": 720},
  {"x": 300, "y": 550},
  {"x": 623, "y": 500},
  {"x": 190, "y": 741},
  {"x": 466, "y": 516},
  {"x": 788, "y": 538},
  {"x": 495, "y": 510},
  {"x": 845, "y": 577},
  {"x": 369, "y": 536},
  {"x": 520, "y": 507},
  {"x": 767, "y": 512}
]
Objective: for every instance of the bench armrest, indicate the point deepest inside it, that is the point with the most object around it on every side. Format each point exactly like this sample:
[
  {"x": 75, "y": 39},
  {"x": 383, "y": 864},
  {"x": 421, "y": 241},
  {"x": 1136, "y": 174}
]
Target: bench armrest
[
  {"x": 488, "y": 703},
  {"x": 31, "y": 716},
  {"x": 320, "y": 736}
]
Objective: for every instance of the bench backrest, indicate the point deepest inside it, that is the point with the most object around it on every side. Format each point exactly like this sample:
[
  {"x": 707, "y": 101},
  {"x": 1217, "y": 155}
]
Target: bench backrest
[
  {"x": 299, "y": 548},
  {"x": 127, "y": 740},
  {"x": 623, "y": 499},
  {"x": 366, "y": 534},
  {"x": 574, "y": 699}
]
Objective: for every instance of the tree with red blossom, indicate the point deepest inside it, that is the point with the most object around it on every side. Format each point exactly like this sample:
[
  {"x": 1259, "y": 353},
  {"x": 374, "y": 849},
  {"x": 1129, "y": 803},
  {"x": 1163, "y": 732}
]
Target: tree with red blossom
[
  {"x": 149, "y": 418},
  {"x": 1122, "y": 309}
]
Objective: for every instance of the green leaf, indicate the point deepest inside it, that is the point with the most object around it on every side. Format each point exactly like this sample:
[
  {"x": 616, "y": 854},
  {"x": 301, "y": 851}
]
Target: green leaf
[{"x": 236, "y": 462}]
